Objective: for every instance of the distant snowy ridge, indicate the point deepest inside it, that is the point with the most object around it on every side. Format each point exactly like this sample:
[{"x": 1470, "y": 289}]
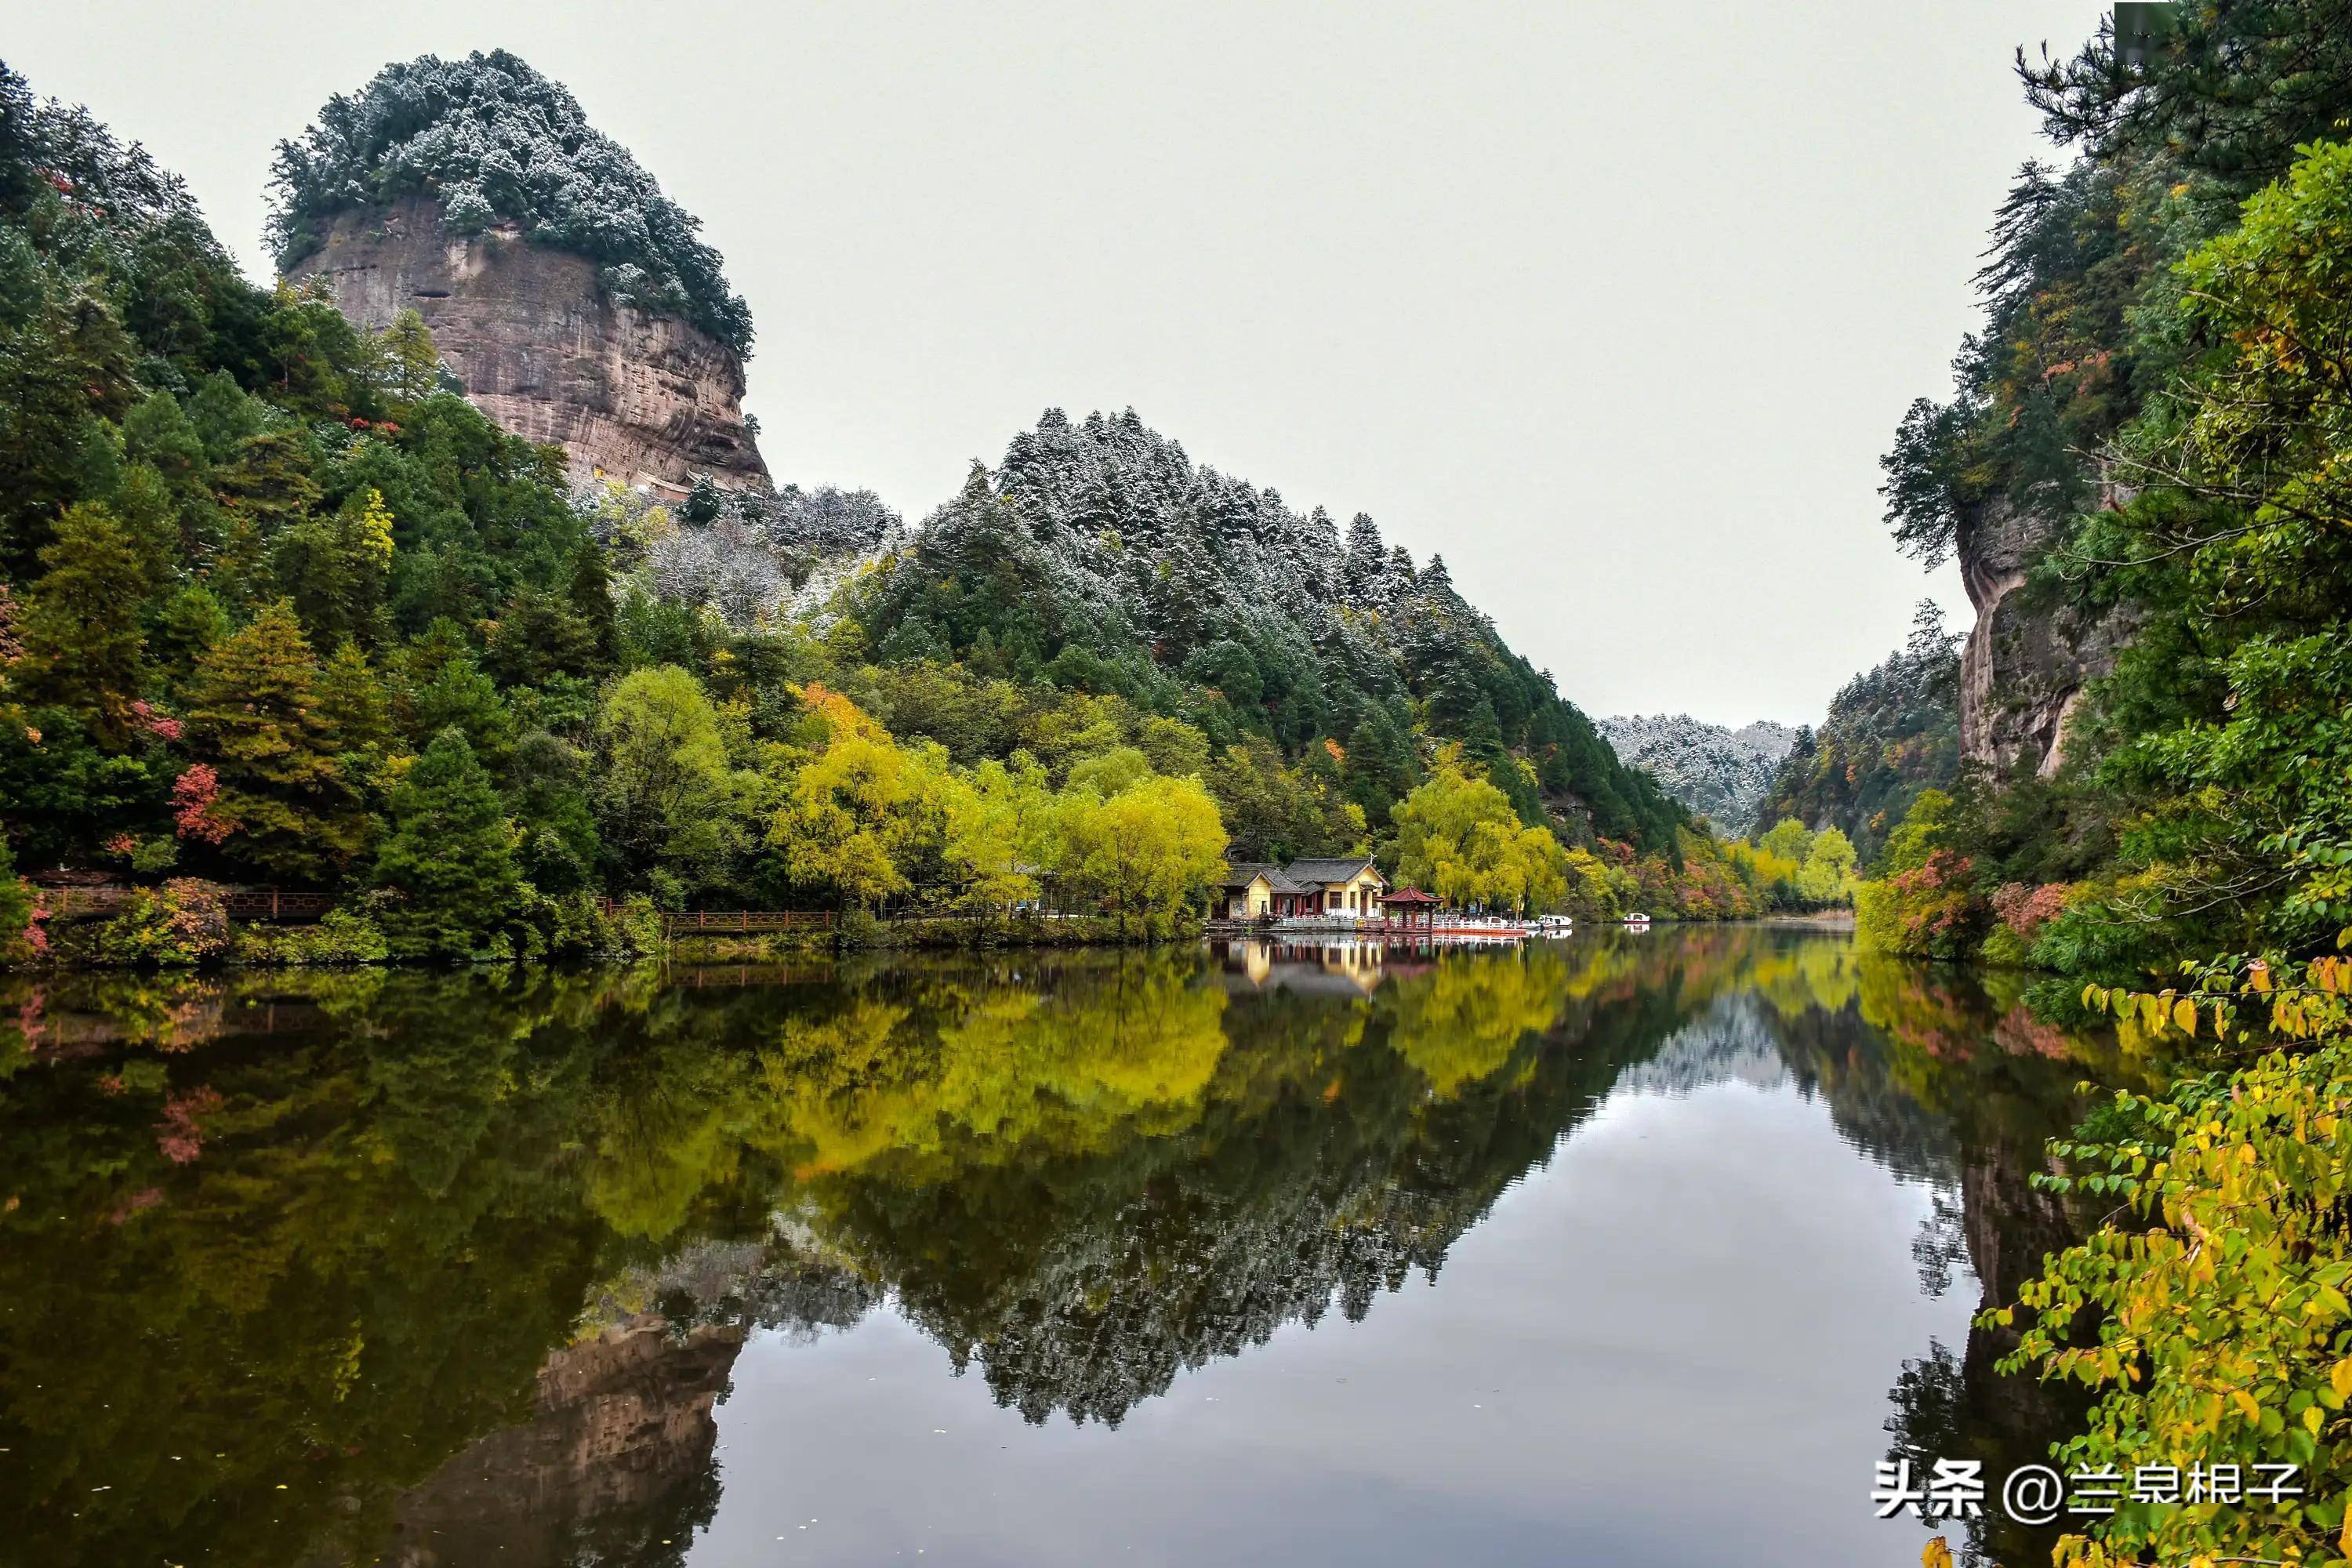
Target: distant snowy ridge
[{"x": 1719, "y": 773}]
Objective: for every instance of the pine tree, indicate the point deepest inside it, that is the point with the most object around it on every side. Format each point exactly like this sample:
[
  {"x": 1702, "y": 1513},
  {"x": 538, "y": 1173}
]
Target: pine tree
[
  {"x": 590, "y": 592},
  {"x": 450, "y": 855},
  {"x": 82, "y": 645},
  {"x": 336, "y": 568},
  {"x": 412, "y": 364},
  {"x": 1361, "y": 571},
  {"x": 67, "y": 363},
  {"x": 356, "y": 710},
  {"x": 255, "y": 714}
]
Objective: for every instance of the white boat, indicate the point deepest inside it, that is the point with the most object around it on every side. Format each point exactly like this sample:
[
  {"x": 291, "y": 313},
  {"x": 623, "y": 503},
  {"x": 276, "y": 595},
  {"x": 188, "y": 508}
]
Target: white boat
[{"x": 1637, "y": 918}]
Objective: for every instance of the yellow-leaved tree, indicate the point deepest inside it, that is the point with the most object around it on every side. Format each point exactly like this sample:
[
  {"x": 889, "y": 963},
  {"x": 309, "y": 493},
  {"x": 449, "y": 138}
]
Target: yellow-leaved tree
[
  {"x": 1458, "y": 838},
  {"x": 1145, "y": 852},
  {"x": 867, "y": 818}
]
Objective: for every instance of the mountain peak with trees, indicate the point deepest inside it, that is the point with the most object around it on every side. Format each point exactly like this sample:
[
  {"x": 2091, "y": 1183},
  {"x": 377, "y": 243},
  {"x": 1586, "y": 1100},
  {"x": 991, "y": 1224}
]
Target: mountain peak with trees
[
  {"x": 1099, "y": 556},
  {"x": 570, "y": 299},
  {"x": 280, "y": 607},
  {"x": 493, "y": 142},
  {"x": 1718, "y": 772}
]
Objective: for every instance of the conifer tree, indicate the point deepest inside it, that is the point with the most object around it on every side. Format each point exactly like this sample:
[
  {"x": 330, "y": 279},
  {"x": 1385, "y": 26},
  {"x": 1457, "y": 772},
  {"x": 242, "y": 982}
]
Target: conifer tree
[
  {"x": 336, "y": 569},
  {"x": 450, "y": 855},
  {"x": 356, "y": 710},
  {"x": 82, "y": 645},
  {"x": 412, "y": 365},
  {"x": 254, "y": 715}
]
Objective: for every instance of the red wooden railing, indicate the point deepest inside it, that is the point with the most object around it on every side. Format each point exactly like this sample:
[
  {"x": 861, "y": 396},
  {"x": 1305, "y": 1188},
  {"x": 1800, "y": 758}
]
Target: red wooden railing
[
  {"x": 722, "y": 922},
  {"x": 244, "y": 904}
]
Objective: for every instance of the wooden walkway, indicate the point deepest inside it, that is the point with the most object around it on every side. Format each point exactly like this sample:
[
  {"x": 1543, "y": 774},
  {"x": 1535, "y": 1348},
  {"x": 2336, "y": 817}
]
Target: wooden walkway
[
  {"x": 288, "y": 906},
  {"x": 724, "y": 923},
  {"x": 242, "y": 903}
]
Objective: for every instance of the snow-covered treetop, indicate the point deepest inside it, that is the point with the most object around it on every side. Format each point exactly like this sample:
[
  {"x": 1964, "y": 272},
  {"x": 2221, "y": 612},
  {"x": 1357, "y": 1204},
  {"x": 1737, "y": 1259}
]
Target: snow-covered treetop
[
  {"x": 495, "y": 140},
  {"x": 1722, "y": 773}
]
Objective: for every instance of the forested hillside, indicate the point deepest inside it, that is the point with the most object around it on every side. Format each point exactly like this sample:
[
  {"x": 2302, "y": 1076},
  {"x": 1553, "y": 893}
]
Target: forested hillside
[
  {"x": 1720, "y": 773},
  {"x": 2144, "y": 471},
  {"x": 277, "y": 608},
  {"x": 1099, "y": 557},
  {"x": 2140, "y": 469},
  {"x": 1891, "y": 732}
]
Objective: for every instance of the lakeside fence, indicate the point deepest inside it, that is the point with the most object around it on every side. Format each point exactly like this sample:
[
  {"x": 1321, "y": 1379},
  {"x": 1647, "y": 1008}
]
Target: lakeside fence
[
  {"x": 286, "y": 905},
  {"x": 241, "y": 903},
  {"x": 724, "y": 923}
]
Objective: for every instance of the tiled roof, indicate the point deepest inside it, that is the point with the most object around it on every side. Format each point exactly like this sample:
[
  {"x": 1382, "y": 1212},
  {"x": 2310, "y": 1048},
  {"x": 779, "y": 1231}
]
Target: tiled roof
[
  {"x": 1241, "y": 874},
  {"x": 1316, "y": 873}
]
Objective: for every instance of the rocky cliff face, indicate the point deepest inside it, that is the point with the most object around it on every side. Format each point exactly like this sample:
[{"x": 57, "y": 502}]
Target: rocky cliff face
[
  {"x": 615, "y": 1456},
  {"x": 543, "y": 348},
  {"x": 2030, "y": 657}
]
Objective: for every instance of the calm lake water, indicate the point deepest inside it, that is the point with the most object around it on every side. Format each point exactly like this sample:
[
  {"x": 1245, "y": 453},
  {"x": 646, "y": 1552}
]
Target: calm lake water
[{"x": 1626, "y": 1250}]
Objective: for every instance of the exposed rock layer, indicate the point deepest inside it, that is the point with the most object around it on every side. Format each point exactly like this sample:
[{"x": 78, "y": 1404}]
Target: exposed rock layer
[
  {"x": 617, "y": 1455},
  {"x": 2029, "y": 655},
  {"x": 544, "y": 350}
]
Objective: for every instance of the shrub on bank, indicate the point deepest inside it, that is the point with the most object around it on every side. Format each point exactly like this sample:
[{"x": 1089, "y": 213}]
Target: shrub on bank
[
  {"x": 342, "y": 936},
  {"x": 179, "y": 925}
]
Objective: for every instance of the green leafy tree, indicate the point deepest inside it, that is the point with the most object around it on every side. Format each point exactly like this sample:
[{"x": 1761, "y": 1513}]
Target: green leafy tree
[
  {"x": 865, "y": 818},
  {"x": 1460, "y": 838},
  {"x": 1828, "y": 873},
  {"x": 336, "y": 568},
  {"x": 1147, "y": 853},
  {"x": 665, "y": 796},
  {"x": 998, "y": 822},
  {"x": 2213, "y": 1323},
  {"x": 1789, "y": 839}
]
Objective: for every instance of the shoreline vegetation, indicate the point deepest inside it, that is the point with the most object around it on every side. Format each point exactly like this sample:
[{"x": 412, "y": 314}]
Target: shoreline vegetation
[
  {"x": 279, "y": 608},
  {"x": 2156, "y": 415}
]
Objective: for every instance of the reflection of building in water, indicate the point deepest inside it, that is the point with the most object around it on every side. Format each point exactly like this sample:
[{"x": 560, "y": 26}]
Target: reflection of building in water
[{"x": 1326, "y": 968}]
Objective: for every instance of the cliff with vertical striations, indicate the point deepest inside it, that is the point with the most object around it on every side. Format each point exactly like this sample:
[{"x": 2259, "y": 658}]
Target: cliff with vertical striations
[
  {"x": 544, "y": 349},
  {"x": 2031, "y": 656}
]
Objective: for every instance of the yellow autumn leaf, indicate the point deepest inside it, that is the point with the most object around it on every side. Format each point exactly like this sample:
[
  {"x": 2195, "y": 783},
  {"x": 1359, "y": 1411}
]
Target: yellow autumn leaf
[
  {"x": 2339, "y": 1377},
  {"x": 2184, "y": 1013},
  {"x": 1938, "y": 1555}
]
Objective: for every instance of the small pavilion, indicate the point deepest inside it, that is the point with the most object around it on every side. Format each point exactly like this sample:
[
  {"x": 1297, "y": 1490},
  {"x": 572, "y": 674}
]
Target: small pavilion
[{"x": 1405, "y": 903}]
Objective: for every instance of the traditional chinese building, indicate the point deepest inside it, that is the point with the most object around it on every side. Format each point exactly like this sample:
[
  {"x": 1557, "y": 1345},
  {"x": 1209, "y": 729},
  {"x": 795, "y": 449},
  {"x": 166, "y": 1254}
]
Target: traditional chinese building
[{"x": 1348, "y": 887}]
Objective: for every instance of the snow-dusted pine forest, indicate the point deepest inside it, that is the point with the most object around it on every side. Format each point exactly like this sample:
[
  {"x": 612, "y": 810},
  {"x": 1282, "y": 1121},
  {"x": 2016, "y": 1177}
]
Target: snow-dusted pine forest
[
  {"x": 1098, "y": 555},
  {"x": 1719, "y": 773}
]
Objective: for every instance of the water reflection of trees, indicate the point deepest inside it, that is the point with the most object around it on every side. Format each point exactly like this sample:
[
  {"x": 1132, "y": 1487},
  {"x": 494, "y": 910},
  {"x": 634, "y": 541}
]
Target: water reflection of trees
[{"x": 377, "y": 1235}]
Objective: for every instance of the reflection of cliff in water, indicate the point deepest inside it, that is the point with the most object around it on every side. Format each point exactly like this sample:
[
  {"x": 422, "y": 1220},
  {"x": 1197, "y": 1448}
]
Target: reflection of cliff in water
[{"x": 476, "y": 1257}]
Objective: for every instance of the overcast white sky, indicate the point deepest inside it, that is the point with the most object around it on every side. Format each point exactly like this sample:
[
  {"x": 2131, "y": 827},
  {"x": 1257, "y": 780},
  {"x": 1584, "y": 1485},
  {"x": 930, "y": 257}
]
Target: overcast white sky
[{"x": 1615, "y": 305}]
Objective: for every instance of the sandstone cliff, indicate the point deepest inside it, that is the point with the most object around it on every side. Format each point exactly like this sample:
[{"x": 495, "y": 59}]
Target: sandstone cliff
[
  {"x": 544, "y": 350},
  {"x": 616, "y": 1456},
  {"x": 2031, "y": 655}
]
